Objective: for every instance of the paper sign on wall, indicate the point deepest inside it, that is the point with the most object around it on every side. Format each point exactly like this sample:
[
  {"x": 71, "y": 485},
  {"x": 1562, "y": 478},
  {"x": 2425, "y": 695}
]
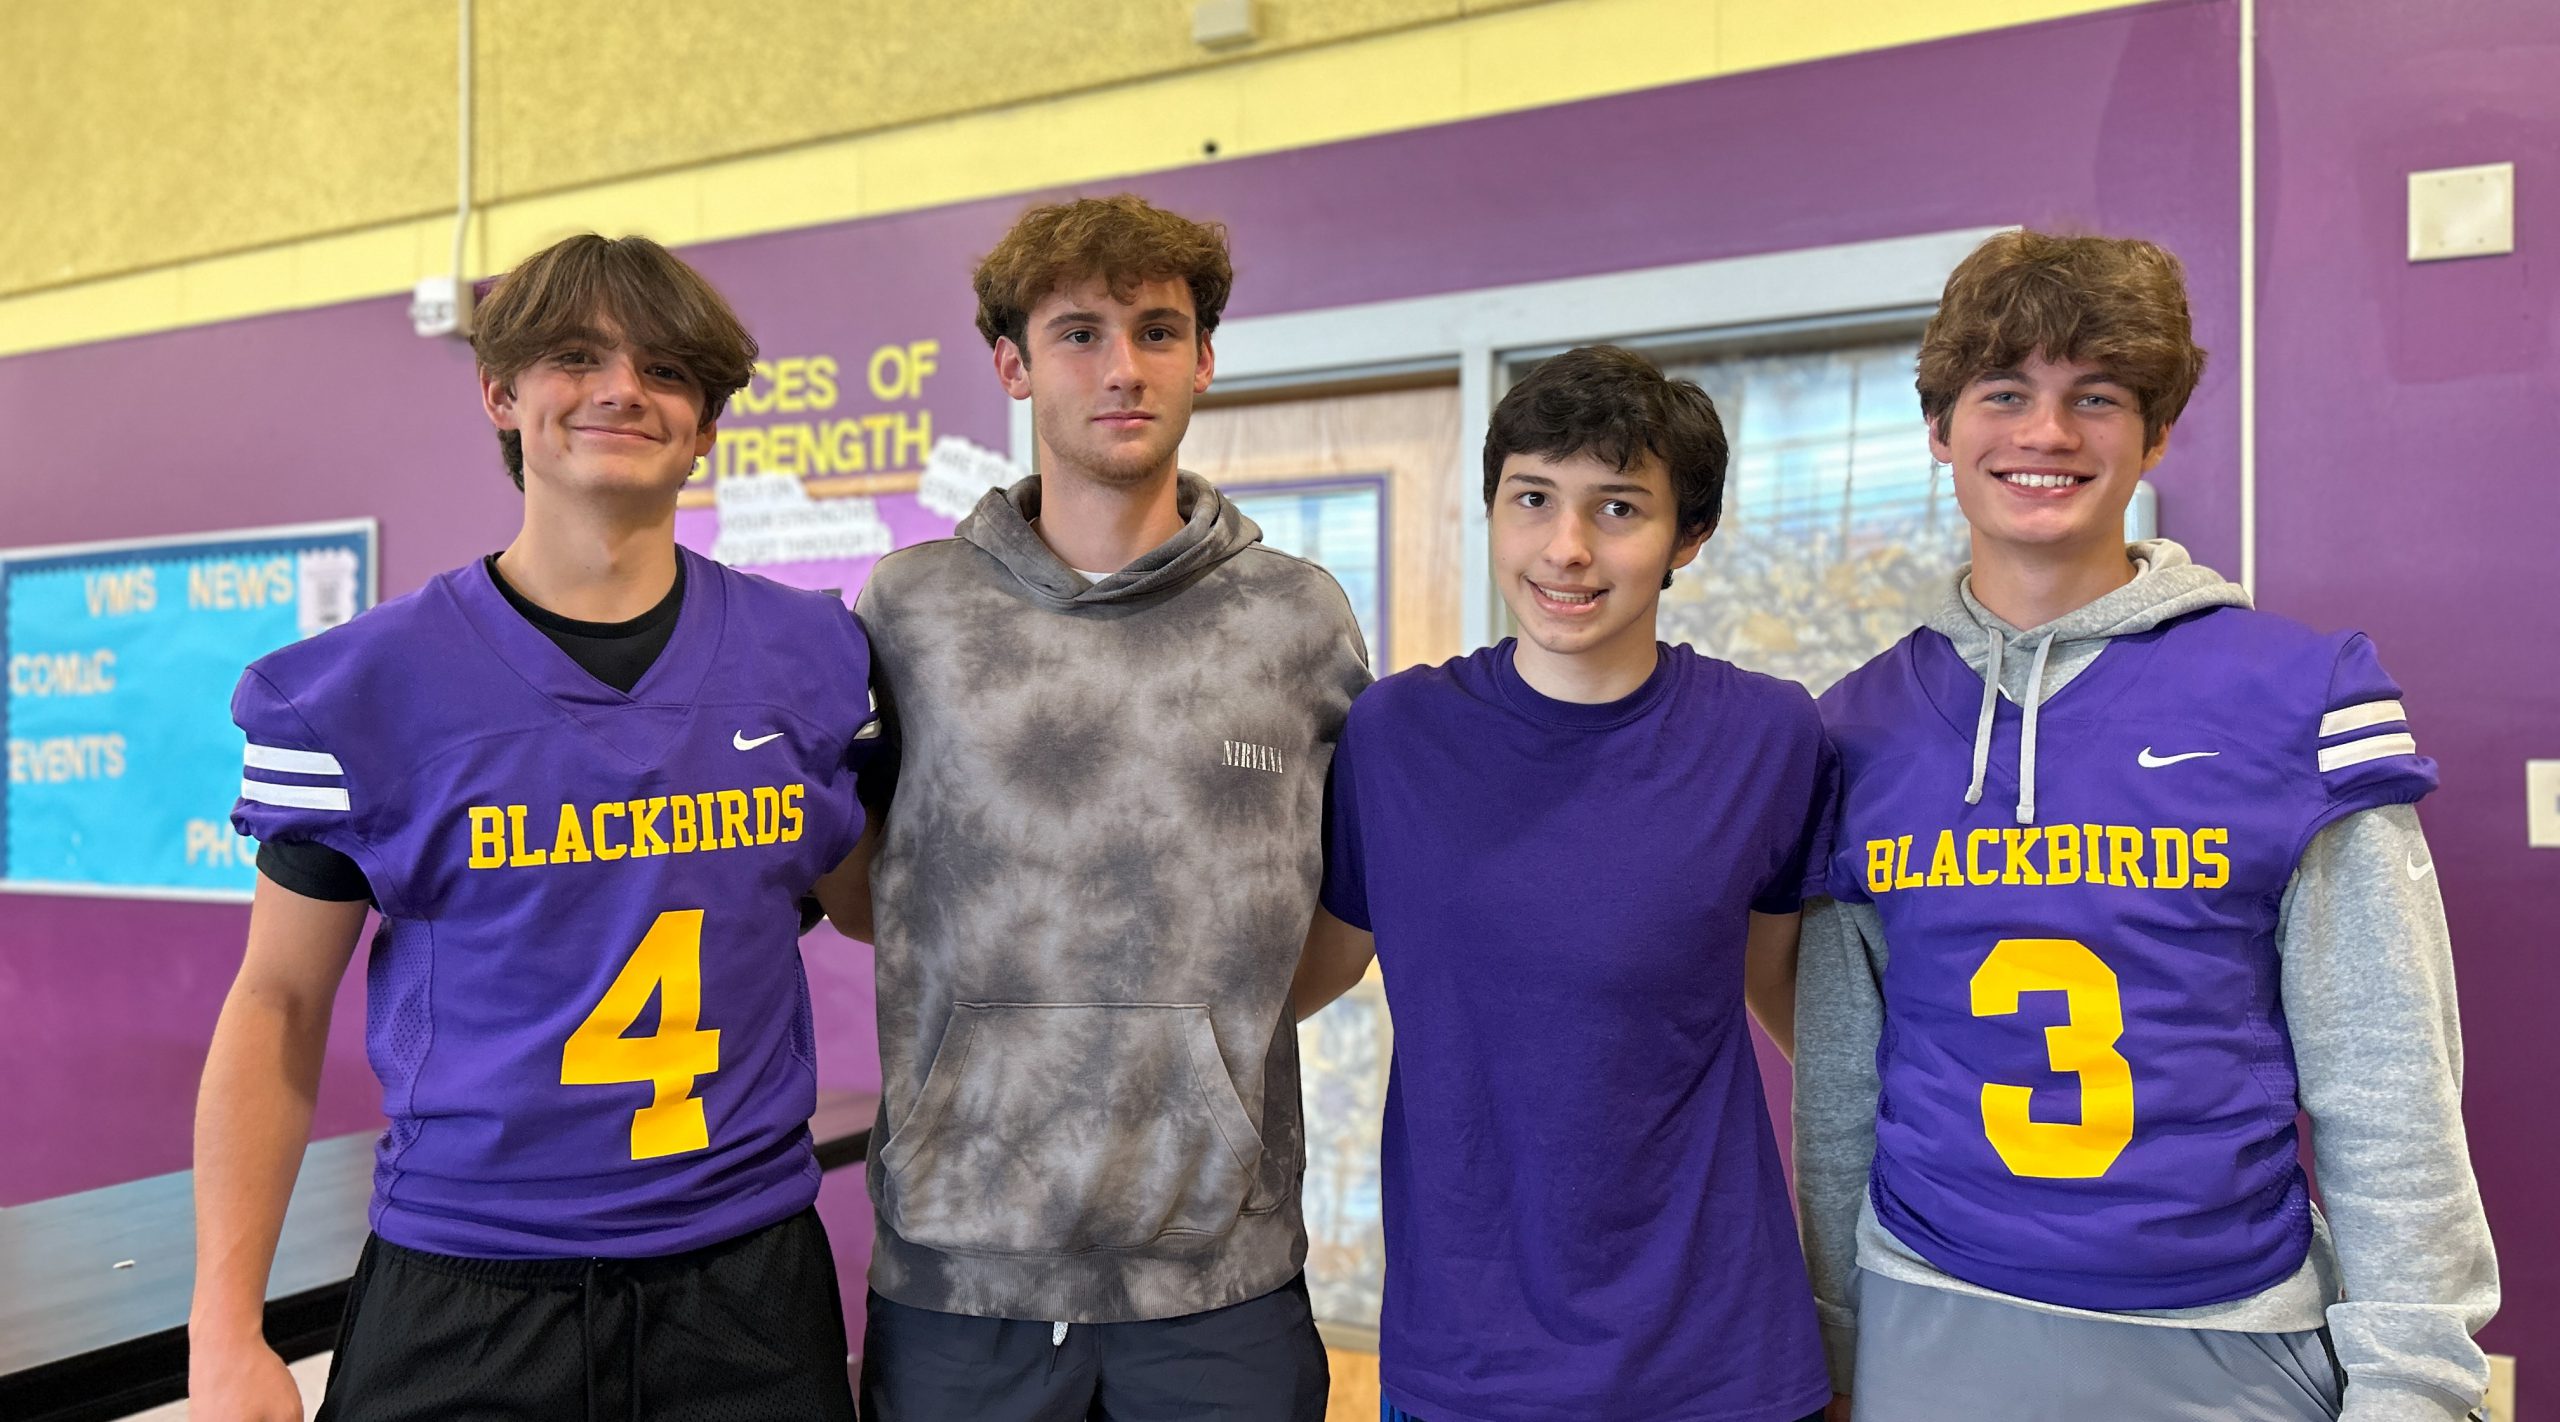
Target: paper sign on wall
[{"x": 121, "y": 657}]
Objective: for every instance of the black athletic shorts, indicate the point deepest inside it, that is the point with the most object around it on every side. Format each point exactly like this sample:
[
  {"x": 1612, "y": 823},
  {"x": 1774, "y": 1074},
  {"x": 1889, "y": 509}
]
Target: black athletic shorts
[
  {"x": 742, "y": 1331},
  {"x": 1257, "y": 1361}
]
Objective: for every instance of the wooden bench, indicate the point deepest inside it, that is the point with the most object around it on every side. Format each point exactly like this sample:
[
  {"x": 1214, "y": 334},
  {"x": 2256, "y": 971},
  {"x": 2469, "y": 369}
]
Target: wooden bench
[{"x": 94, "y": 1287}]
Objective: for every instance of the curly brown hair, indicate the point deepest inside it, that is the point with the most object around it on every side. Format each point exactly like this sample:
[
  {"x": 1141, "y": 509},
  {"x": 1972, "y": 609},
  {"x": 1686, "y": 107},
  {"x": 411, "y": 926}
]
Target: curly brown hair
[
  {"x": 659, "y": 304},
  {"x": 1123, "y": 239},
  {"x": 2117, "y": 303}
]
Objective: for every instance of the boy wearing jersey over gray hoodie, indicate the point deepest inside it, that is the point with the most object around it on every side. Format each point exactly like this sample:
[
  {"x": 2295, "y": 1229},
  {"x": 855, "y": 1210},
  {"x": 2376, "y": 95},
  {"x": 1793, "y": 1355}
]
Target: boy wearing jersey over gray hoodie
[{"x": 2126, "y": 877}]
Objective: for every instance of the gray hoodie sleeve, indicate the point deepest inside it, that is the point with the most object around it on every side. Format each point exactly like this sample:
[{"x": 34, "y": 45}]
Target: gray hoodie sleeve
[
  {"x": 2377, "y": 1038},
  {"x": 1839, "y": 1018}
]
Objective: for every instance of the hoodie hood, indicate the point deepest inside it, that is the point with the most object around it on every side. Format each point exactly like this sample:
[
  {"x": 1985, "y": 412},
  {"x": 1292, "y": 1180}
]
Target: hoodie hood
[
  {"x": 2166, "y": 584},
  {"x": 1213, "y": 530}
]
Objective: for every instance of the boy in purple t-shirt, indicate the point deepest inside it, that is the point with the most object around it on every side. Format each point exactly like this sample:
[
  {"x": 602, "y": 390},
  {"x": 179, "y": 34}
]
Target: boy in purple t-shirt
[{"x": 1574, "y": 854}]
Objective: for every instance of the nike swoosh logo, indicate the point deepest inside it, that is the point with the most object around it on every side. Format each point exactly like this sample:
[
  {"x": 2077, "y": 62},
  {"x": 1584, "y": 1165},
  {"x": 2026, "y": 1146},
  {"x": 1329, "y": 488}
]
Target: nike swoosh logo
[
  {"x": 739, "y": 739},
  {"x": 2154, "y": 762},
  {"x": 2419, "y": 871}
]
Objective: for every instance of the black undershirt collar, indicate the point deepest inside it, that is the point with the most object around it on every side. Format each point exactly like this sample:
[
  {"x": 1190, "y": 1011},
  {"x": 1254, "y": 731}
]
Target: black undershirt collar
[{"x": 615, "y": 653}]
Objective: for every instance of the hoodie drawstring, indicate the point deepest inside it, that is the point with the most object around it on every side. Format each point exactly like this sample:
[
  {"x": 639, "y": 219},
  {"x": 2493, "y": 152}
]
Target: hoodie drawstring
[
  {"x": 2027, "y": 734},
  {"x": 2026, "y": 728},
  {"x": 1982, "y": 730}
]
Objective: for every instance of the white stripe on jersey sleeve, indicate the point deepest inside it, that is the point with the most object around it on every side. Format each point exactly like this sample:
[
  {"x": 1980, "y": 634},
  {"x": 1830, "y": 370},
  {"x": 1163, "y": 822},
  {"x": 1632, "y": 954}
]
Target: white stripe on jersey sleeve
[
  {"x": 870, "y": 731},
  {"x": 2370, "y": 748},
  {"x": 300, "y": 797},
  {"x": 292, "y": 762},
  {"x": 2356, "y": 718}
]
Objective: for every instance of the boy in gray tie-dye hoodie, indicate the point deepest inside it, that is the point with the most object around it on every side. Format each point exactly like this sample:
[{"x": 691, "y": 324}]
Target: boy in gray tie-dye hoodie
[{"x": 1113, "y": 709}]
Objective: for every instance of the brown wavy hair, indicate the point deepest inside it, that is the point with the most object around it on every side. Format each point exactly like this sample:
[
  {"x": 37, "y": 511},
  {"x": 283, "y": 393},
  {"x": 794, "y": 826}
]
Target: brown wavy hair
[
  {"x": 660, "y": 305},
  {"x": 1124, "y": 240},
  {"x": 2117, "y": 303}
]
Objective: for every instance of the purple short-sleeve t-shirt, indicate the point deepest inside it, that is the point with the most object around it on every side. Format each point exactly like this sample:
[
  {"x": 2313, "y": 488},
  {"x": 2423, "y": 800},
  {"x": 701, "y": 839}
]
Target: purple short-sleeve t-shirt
[{"x": 1584, "y": 1210}]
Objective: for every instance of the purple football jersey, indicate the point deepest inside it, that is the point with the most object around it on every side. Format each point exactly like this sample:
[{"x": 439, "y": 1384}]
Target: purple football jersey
[
  {"x": 2088, "y": 1094},
  {"x": 586, "y": 1003}
]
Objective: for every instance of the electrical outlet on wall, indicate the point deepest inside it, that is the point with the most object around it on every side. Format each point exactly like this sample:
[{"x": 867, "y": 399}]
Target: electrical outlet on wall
[
  {"x": 2542, "y": 804},
  {"x": 2462, "y": 212}
]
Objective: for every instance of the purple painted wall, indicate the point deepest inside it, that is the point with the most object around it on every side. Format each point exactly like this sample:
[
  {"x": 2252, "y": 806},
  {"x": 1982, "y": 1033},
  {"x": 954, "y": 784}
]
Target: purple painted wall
[
  {"x": 2124, "y": 122},
  {"x": 2408, "y": 416}
]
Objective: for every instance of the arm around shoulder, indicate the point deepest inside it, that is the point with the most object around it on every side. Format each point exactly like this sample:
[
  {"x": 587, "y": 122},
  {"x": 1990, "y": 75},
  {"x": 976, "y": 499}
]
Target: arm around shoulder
[
  {"x": 1334, "y": 960},
  {"x": 845, "y": 891},
  {"x": 1769, "y": 956}
]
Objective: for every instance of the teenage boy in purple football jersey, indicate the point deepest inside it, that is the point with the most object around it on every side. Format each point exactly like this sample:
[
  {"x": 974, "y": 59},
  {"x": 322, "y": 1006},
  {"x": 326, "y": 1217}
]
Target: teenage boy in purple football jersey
[
  {"x": 584, "y": 780},
  {"x": 2127, "y": 876},
  {"x": 1574, "y": 855}
]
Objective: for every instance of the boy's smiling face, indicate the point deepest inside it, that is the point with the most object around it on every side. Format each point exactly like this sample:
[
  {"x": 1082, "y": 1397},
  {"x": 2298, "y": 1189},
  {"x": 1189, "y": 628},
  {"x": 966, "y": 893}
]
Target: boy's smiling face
[
  {"x": 600, "y": 415},
  {"x": 1580, "y": 549},
  {"x": 2045, "y": 457}
]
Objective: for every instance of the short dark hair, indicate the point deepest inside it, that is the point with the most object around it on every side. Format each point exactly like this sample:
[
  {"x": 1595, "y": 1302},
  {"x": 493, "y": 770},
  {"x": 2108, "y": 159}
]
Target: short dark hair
[
  {"x": 2118, "y": 303},
  {"x": 1616, "y": 406},
  {"x": 661, "y": 305},
  {"x": 1124, "y": 240}
]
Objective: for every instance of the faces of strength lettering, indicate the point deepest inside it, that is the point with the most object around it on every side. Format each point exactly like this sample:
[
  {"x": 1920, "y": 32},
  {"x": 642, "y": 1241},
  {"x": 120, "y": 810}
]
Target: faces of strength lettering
[
  {"x": 513, "y": 837},
  {"x": 2119, "y": 856}
]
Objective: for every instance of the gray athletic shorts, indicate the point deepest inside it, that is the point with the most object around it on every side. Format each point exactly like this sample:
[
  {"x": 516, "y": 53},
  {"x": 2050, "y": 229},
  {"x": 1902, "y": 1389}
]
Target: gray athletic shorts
[{"x": 1927, "y": 1355}]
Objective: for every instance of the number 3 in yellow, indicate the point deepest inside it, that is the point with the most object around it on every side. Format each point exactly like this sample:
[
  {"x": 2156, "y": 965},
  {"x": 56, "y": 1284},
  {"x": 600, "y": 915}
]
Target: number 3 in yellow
[
  {"x": 668, "y": 963},
  {"x": 2085, "y": 1044}
]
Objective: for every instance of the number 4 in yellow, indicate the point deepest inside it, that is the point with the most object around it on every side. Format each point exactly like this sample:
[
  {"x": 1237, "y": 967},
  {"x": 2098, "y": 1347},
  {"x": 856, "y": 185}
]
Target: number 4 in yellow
[
  {"x": 668, "y": 963},
  {"x": 2085, "y": 1044}
]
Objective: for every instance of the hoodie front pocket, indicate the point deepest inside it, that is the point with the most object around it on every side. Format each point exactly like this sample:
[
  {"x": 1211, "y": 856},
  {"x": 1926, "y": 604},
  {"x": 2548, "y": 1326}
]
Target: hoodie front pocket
[{"x": 1047, "y": 1128}]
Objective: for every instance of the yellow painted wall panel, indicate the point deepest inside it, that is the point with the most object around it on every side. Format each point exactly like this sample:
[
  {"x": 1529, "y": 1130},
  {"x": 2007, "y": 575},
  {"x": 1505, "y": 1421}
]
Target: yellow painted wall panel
[
  {"x": 354, "y": 264},
  {"x": 153, "y": 132},
  {"x": 564, "y": 92},
  {"x": 1515, "y": 62},
  {"x": 1379, "y": 87},
  {"x": 570, "y": 101},
  {"x": 775, "y": 191},
  {"x": 239, "y": 284},
  {"x": 667, "y": 207},
  {"x": 1761, "y": 34},
  {"x": 577, "y": 94},
  {"x": 1062, "y": 141},
  {"x": 95, "y": 311},
  {"x": 143, "y": 131}
]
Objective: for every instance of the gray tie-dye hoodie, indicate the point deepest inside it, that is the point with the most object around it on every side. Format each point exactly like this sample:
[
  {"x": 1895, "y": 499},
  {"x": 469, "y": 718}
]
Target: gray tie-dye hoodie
[{"x": 1089, "y": 896}]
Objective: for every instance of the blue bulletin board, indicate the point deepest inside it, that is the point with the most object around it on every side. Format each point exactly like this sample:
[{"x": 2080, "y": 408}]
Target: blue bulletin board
[{"x": 121, "y": 658}]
